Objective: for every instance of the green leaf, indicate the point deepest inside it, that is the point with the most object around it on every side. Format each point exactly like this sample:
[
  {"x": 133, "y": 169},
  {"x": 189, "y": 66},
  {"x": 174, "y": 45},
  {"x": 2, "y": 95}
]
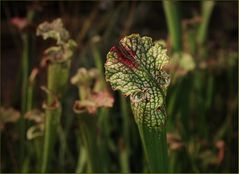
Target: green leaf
[{"x": 136, "y": 68}]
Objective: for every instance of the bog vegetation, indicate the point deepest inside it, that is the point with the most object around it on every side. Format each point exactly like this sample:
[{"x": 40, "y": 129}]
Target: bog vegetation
[{"x": 58, "y": 113}]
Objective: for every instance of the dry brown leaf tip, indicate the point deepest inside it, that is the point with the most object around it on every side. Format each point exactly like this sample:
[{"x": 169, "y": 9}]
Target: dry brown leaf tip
[
  {"x": 174, "y": 141},
  {"x": 8, "y": 115},
  {"x": 95, "y": 101}
]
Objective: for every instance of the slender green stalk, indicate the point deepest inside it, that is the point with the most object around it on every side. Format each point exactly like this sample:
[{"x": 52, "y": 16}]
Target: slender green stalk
[
  {"x": 25, "y": 69},
  {"x": 88, "y": 139},
  {"x": 62, "y": 151},
  {"x": 25, "y": 166},
  {"x": 207, "y": 8},
  {"x": 173, "y": 23},
  {"x": 30, "y": 89},
  {"x": 103, "y": 114},
  {"x": 103, "y": 122},
  {"x": 126, "y": 136},
  {"x": 81, "y": 160},
  {"x": 57, "y": 79},
  {"x": 98, "y": 63},
  {"x": 206, "y": 12},
  {"x": 93, "y": 149},
  {"x": 24, "y": 90},
  {"x": 89, "y": 151},
  {"x": 124, "y": 162},
  {"x": 88, "y": 124},
  {"x": 25, "y": 72},
  {"x": 38, "y": 152},
  {"x": 88, "y": 131},
  {"x": 25, "y": 65},
  {"x": 49, "y": 137}
]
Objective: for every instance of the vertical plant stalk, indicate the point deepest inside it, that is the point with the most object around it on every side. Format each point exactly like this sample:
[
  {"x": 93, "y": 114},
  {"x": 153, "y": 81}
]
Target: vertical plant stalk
[
  {"x": 89, "y": 142},
  {"x": 24, "y": 90},
  {"x": 206, "y": 12},
  {"x": 30, "y": 90},
  {"x": 58, "y": 60},
  {"x": 103, "y": 114},
  {"x": 92, "y": 128},
  {"x": 173, "y": 20},
  {"x": 25, "y": 69},
  {"x": 126, "y": 137},
  {"x": 173, "y": 23},
  {"x": 98, "y": 61},
  {"x": 206, "y": 9},
  {"x": 31, "y": 86},
  {"x": 81, "y": 160},
  {"x": 136, "y": 68},
  {"x": 52, "y": 118}
]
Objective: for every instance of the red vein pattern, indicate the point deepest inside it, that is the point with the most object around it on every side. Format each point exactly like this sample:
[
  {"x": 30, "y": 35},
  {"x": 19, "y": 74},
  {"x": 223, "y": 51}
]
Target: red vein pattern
[{"x": 125, "y": 56}]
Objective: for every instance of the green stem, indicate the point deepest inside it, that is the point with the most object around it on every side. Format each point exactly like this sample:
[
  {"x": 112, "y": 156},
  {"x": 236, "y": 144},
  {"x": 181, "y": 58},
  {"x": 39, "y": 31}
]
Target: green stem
[
  {"x": 88, "y": 137},
  {"x": 173, "y": 23},
  {"x": 89, "y": 142},
  {"x": 25, "y": 166},
  {"x": 207, "y": 8},
  {"x": 30, "y": 91},
  {"x": 57, "y": 79},
  {"x": 51, "y": 125},
  {"x": 125, "y": 151},
  {"x": 25, "y": 72},
  {"x": 155, "y": 147},
  {"x": 103, "y": 116},
  {"x": 36, "y": 143},
  {"x": 26, "y": 100},
  {"x": 98, "y": 63},
  {"x": 81, "y": 160},
  {"x": 104, "y": 126},
  {"x": 29, "y": 96}
]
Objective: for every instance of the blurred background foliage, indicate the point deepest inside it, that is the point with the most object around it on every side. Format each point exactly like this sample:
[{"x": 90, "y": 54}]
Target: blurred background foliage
[{"x": 202, "y": 103}]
